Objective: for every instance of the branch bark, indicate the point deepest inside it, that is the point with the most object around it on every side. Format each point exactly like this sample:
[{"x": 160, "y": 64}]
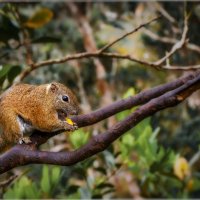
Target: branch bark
[{"x": 155, "y": 99}]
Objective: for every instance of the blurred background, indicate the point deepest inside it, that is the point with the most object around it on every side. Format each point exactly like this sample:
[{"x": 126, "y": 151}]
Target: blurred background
[{"x": 160, "y": 156}]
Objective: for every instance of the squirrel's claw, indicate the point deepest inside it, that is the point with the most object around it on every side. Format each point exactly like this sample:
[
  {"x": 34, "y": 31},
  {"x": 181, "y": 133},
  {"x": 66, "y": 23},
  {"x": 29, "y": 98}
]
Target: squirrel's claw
[{"x": 69, "y": 127}]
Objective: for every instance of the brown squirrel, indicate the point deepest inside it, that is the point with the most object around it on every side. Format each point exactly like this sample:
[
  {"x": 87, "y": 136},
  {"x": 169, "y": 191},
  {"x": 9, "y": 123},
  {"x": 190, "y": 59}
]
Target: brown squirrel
[{"x": 24, "y": 108}]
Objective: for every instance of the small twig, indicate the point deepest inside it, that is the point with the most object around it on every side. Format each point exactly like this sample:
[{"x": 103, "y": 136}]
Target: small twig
[
  {"x": 194, "y": 158},
  {"x": 177, "y": 45},
  {"x": 127, "y": 34},
  {"x": 185, "y": 68},
  {"x": 160, "y": 8},
  {"x": 164, "y": 12},
  {"x": 168, "y": 40},
  {"x": 7, "y": 182}
]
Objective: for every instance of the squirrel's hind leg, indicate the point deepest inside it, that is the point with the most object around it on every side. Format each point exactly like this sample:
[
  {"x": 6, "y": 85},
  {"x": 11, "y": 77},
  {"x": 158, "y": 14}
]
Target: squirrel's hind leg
[
  {"x": 25, "y": 129},
  {"x": 14, "y": 132},
  {"x": 25, "y": 140}
]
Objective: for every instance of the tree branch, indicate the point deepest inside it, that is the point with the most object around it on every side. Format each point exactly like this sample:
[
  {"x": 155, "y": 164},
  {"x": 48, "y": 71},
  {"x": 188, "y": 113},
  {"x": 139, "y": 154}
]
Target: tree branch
[
  {"x": 177, "y": 45},
  {"x": 157, "y": 99},
  {"x": 118, "y": 106},
  {"x": 169, "y": 40},
  {"x": 101, "y": 53},
  {"x": 127, "y": 34}
]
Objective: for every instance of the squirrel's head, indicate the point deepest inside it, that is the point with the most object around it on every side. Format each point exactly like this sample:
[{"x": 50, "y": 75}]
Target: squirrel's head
[{"x": 64, "y": 101}]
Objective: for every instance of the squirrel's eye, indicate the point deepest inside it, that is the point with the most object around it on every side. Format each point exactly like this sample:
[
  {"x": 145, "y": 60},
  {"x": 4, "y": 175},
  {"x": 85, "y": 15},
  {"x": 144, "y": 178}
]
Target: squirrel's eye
[{"x": 65, "y": 98}]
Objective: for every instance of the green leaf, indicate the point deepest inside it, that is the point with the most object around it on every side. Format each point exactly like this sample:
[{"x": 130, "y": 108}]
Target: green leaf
[
  {"x": 4, "y": 71},
  {"x": 154, "y": 135},
  {"x": 39, "y": 18},
  {"x": 45, "y": 182},
  {"x": 10, "y": 72},
  {"x": 79, "y": 138},
  {"x": 138, "y": 129},
  {"x": 8, "y": 29},
  {"x": 130, "y": 92},
  {"x": 109, "y": 158},
  {"x": 120, "y": 116},
  {"x": 128, "y": 139},
  {"x": 31, "y": 192},
  {"x": 14, "y": 71},
  {"x": 55, "y": 175}
]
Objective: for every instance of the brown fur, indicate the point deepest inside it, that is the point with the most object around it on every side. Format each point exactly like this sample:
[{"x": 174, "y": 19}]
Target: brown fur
[{"x": 38, "y": 106}]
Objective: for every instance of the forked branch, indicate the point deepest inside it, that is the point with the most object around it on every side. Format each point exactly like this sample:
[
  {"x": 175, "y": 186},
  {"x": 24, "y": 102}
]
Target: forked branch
[{"x": 155, "y": 99}]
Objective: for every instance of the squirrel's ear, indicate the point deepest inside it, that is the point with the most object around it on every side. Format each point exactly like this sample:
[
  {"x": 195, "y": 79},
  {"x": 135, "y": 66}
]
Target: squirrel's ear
[{"x": 51, "y": 87}]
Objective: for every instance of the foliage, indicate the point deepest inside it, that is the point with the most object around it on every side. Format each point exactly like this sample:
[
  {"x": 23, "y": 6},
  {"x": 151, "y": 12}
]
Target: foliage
[
  {"x": 79, "y": 138},
  {"x": 159, "y": 158},
  {"x": 25, "y": 188},
  {"x": 39, "y": 18}
]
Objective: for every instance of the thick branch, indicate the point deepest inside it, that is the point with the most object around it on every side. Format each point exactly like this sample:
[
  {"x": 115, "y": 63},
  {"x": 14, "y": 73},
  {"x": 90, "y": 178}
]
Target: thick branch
[
  {"x": 26, "y": 154},
  {"x": 118, "y": 106},
  {"x": 124, "y": 104}
]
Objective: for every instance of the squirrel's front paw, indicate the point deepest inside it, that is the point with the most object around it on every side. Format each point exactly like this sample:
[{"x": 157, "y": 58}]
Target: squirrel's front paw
[
  {"x": 25, "y": 140},
  {"x": 69, "y": 127}
]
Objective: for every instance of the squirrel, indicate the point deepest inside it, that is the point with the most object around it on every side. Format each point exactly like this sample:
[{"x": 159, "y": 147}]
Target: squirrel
[{"x": 25, "y": 108}]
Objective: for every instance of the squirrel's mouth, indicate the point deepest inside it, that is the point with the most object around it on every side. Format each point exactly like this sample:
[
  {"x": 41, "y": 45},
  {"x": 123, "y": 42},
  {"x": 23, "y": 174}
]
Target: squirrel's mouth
[{"x": 62, "y": 114}]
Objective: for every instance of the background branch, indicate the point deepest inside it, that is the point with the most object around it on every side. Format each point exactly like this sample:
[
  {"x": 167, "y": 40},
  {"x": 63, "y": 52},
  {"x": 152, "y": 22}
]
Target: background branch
[
  {"x": 177, "y": 45},
  {"x": 127, "y": 34},
  {"x": 101, "y": 53},
  {"x": 169, "y": 40},
  {"x": 90, "y": 46}
]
